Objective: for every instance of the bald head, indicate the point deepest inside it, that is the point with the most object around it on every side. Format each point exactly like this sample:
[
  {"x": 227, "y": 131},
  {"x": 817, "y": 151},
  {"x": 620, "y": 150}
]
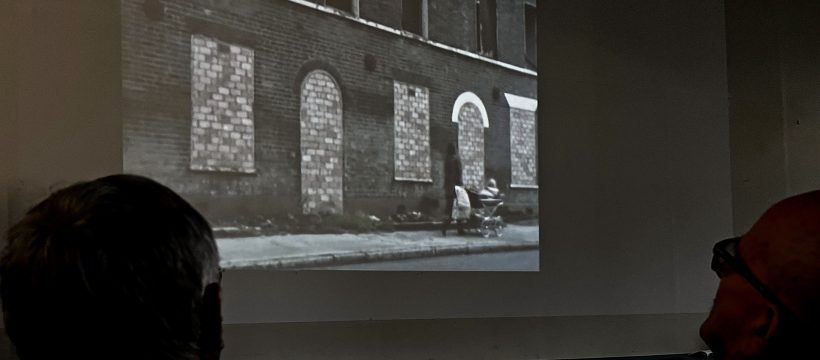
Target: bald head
[
  {"x": 783, "y": 249},
  {"x": 765, "y": 304}
]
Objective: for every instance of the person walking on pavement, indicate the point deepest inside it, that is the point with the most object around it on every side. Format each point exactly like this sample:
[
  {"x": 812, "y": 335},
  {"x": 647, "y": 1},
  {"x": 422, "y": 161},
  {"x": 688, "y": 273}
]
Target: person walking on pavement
[{"x": 452, "y": 178}]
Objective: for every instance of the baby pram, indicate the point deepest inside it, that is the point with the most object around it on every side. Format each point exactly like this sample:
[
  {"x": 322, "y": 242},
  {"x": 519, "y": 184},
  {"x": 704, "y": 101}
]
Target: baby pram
[{"x": 483, "y": 216}]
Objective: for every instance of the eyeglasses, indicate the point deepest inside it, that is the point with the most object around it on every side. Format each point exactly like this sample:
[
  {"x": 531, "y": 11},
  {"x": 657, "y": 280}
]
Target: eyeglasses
[{"x": 725, "y": 260}]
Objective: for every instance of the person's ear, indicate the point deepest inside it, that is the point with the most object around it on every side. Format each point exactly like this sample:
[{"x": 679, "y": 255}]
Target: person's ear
[
  {"x": 763, "y": 329},
  {"x": 210, "y": 337}
]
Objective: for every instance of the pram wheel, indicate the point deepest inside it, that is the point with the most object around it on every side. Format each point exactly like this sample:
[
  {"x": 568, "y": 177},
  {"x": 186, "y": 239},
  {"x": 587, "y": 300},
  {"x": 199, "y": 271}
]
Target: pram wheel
[
  {"x": 489, "y": 223},
  {"x": 485, "y": 229}
]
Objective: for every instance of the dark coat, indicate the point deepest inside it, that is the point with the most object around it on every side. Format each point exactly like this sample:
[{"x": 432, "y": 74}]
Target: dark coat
[{"x": 452, "y": 172}]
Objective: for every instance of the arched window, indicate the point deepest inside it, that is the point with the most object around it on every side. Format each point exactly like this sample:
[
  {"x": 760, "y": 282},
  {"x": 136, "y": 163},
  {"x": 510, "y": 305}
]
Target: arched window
[
  {"x": 322, "y": 144},
  {"x": 471, "y": 116}
]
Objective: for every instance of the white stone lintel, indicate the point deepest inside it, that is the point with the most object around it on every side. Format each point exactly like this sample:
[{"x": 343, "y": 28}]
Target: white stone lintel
[
  {"x": 398, "y": 178},
  {"x": 470, "y": 97},
  {"x": 521, "y": 102},
  {"x": 518, "y": 186}
]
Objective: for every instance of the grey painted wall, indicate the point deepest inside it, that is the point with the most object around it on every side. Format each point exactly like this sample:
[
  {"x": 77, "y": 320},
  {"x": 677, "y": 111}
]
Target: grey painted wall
[
  {"x": 756, "y": 109},
  {"x": 564, "y": 337},
  {"x": 775, "y": 114},
  {"x": 801, "y": 93},
  {"x": 65, "y": 123},
  {"x": 8, "y": 84}
]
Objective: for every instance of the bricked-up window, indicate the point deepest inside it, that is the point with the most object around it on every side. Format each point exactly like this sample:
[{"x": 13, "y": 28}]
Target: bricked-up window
[
  {"x": 414, "y": 16},
  {"x": 222, "y": 129},
  {"x": 471, "y": 116},
  {"x": 412, "y": 132},
  {"x": 523, "y": 141},
  {"x": 322, "y": 146},
  {"x": 486, "y": 41},
  {"x": 531, "y": 31},
  {"x": 471, "y": 144}
]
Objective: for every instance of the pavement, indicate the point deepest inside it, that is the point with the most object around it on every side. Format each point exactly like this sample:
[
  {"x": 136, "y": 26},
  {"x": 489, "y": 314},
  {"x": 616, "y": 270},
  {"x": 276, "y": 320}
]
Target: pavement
[{"x": 301, "y": 251}]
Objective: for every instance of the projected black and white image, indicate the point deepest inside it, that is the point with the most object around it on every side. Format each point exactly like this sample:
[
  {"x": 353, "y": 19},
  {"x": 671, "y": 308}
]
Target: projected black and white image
[{"x": 342, "y": 134}]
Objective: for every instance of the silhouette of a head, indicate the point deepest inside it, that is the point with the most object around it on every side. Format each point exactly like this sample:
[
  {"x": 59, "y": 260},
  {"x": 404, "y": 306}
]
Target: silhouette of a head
[
  {"x": 766, "y": 303},
  {"x": 113, "y": 268}
]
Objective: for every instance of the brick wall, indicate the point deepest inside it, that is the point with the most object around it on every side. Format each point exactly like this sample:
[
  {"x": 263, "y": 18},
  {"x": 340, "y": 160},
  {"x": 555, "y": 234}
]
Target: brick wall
[{"x": 289, "y": 41}]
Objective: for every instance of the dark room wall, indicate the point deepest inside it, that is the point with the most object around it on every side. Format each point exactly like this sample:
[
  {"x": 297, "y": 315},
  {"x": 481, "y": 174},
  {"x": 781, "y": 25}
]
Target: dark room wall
[
  {"x": 8, "y": 84},
  {"x": 564, "y": 337},
  {"x": 635, "y": 154},
  {"x": 801, "y": 76},
  {"x": 61, "y": 106},
  {"x": 774, "y": 112},
  {"x": 756, "y": 109},
  {"x": 67, "y": 87}
]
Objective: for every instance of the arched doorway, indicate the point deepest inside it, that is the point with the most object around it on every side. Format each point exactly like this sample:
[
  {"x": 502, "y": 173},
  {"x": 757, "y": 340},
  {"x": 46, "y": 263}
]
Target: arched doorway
[
  {"x": 322, "y": 144},
  {"x": 471, "y": 116}
]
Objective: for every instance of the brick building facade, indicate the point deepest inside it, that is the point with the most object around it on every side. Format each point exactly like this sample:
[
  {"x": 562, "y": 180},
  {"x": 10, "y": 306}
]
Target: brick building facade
[{"x": 272, "y": 106}]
